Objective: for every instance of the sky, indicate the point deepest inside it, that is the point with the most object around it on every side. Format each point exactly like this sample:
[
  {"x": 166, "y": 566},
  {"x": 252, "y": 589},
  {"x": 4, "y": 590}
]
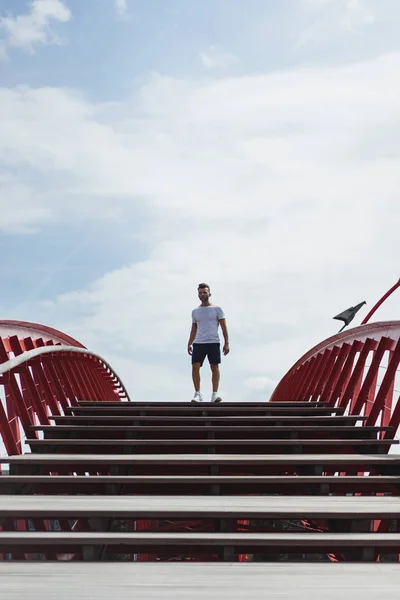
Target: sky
[{"x": 149, "y": 145}]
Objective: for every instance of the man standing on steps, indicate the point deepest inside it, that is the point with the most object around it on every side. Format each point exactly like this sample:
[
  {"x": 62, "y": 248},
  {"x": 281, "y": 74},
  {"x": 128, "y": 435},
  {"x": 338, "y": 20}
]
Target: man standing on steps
[{"x": 204, "y": 341}]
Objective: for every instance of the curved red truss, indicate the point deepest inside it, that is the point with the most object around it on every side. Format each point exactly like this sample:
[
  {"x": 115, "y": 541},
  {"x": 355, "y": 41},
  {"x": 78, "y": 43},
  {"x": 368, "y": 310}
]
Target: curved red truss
[
  {"x": 37, "y": 330},
  {"x": 355, "y": 369},
  {"x": 42, "y": 371}
]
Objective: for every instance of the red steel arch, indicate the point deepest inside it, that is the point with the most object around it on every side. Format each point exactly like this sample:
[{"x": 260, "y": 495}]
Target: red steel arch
[
  {"x": 355, "y": 369},
  {"x": 36, "y": 331},
  {"x": 42, "y": 371}
]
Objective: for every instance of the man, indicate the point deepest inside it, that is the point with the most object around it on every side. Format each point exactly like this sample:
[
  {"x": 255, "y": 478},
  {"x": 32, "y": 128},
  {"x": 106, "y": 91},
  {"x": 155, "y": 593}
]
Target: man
[{"x": 204, "y": 341}]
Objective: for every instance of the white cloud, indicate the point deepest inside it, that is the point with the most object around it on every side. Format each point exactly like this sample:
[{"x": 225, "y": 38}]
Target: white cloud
[
  {"x": 20, "y": 207},
  {"x": 281, "y": 190},
  {"x": 34, "y": 28},
  {"x": 121, "y": 6},
  {"x": 260, "y": 383},
  {"x": 357, "y": 12},
  {"x": 335, "y": 17},
  {"x": 214, "y": 58}
]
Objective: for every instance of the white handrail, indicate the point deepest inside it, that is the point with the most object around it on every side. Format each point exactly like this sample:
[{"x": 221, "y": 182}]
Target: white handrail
[{"x": 25, "y": 357}]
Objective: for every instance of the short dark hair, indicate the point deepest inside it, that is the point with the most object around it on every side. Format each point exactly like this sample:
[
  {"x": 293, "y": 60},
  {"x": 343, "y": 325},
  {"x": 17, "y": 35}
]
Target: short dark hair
[{"x": 203, "y": 285}]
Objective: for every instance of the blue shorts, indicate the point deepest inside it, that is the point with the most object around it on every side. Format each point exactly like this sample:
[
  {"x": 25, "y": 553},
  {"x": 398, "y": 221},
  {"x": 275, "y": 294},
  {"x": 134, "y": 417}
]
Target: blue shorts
[{"x": 212, "y": 351}]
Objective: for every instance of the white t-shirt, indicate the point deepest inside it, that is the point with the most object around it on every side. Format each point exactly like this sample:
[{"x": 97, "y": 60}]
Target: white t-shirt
[{"x": 206, "y": 319}]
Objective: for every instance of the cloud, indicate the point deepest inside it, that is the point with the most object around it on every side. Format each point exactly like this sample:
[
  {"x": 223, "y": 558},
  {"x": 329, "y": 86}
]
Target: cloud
[
  {"x": 335, "y": 17},
  {"x": 281, "y": 190},
  {"x": 216, "y": 58},
  {"x": 26, "y": 210},
  {"x": 121, "y": 6},
  {"x": 34, "y": 28},
  {"x": 259, "y": 383},
  {"x": 357, "y": 12}
]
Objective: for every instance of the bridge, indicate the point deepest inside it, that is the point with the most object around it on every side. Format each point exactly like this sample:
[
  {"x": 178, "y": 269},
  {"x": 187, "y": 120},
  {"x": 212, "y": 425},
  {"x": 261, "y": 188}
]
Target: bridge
[{"x": 102, "y": 495}]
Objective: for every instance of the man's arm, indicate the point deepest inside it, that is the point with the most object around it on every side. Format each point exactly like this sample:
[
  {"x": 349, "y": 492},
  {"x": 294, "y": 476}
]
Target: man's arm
[
  {"x": 192, "y": 336},
  {"x": 224, "y": 328}
]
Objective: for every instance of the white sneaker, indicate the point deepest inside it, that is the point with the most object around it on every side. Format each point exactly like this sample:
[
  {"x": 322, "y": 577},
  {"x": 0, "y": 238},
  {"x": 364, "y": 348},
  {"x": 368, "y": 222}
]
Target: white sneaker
[
  {"x": 215, "y": 397},
  {"x": 197, "y": 397}
]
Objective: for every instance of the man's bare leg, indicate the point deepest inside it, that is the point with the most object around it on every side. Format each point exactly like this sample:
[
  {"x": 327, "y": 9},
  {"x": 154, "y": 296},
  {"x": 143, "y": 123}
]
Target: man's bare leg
[
  {"x": 215, "y": 383},
  {"x": 215, "y": 377},
  {"x": 196, "y": 376}
]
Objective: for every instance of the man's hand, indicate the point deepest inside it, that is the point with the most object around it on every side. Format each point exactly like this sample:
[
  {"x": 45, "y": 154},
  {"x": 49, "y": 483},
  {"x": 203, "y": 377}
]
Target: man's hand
[
  {"x": 224, "y": 328},
  {"x": 190, "y": 349}
]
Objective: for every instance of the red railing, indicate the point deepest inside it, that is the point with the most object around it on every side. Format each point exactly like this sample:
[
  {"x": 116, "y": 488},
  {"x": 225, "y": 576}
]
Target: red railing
[
  {"x": 356, "y": 369},
  {"x": 41, "y": 377}
]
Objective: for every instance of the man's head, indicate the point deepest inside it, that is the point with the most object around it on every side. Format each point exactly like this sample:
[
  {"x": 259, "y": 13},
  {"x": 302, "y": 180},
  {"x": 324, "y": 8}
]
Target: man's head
[{"x": 204, "y": 292}]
